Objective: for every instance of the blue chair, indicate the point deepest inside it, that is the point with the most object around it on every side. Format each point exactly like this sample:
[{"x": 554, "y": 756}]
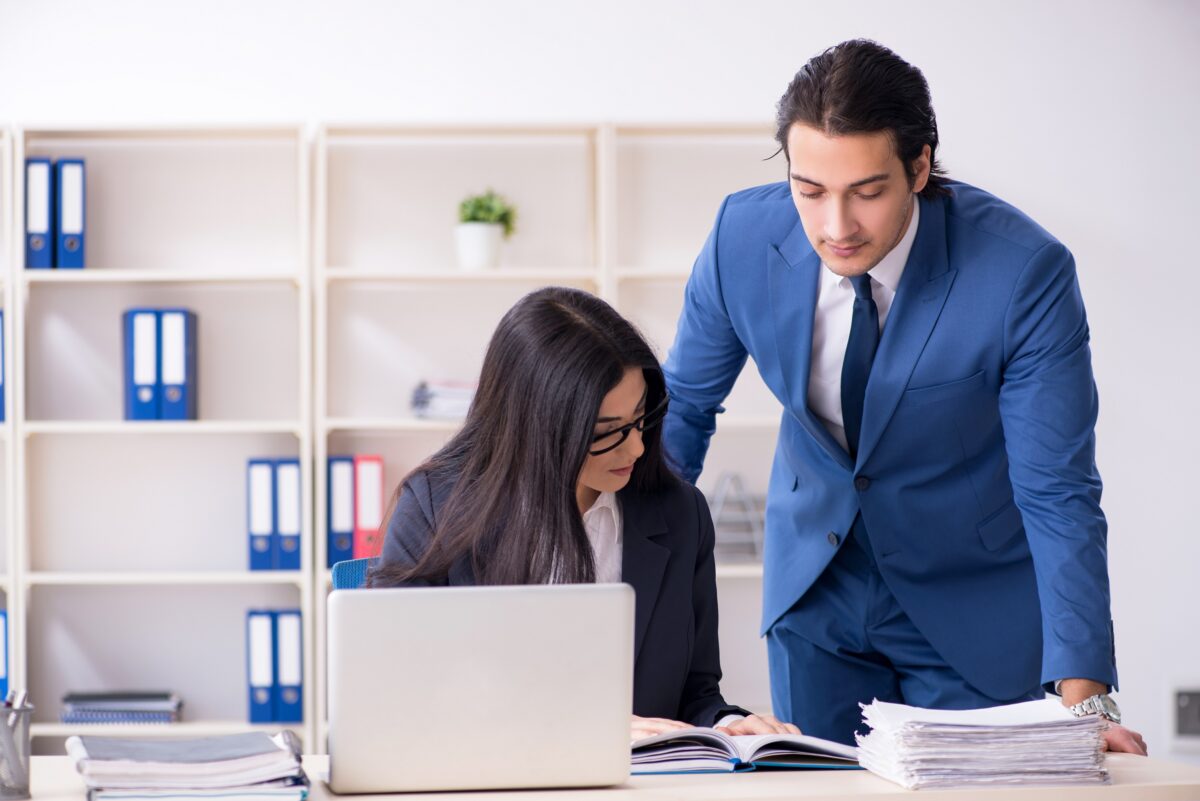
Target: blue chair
[{"x": 351, "y": 574}]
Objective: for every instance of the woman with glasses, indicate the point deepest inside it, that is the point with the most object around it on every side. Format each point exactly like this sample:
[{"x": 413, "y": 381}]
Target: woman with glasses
[{"x": 558, "y": 476}]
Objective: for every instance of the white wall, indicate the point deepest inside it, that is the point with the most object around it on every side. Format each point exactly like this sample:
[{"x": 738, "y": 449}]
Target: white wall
[{"x": 1079, "y": 112}]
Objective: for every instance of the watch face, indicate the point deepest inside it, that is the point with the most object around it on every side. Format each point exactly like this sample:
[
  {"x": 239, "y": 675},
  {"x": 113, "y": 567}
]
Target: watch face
[{"x": 1109, "y": 708}]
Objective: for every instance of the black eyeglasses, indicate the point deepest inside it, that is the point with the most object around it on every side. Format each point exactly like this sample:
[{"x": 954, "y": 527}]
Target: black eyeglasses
[{"x": 611, "y": 440}]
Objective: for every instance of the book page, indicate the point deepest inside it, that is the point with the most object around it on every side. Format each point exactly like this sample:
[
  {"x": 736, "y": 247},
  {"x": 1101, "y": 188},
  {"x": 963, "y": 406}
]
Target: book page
[{"x": 751, "y": 747}]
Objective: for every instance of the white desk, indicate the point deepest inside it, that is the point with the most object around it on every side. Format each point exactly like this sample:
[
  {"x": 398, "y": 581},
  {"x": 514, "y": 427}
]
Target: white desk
[{"x": 1134, "y": 779}]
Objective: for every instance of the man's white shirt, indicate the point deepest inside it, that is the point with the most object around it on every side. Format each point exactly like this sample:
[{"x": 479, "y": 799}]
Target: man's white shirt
[{"x": 831, "y": 326}]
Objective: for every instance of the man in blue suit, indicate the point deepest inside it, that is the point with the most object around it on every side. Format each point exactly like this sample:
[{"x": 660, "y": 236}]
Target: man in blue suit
[{"x": 934, "y": 532}]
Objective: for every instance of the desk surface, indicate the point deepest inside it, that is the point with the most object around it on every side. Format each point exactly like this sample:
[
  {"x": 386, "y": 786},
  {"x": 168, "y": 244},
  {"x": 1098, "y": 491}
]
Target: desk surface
[{"x": 1134, "y": 779}]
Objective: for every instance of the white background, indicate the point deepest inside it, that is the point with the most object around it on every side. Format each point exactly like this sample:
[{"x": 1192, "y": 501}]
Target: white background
[{"x": 1078, "y": 112}]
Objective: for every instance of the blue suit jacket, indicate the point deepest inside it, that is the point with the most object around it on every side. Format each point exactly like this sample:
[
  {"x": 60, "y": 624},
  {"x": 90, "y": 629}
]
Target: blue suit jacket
[
  {"x": 666, "y": 556},
  {"x": 981, "y": 494}
]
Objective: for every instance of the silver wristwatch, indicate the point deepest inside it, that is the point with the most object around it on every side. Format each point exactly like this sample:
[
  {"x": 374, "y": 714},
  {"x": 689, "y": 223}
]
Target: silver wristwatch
[{"x": 1102, "y": 705}]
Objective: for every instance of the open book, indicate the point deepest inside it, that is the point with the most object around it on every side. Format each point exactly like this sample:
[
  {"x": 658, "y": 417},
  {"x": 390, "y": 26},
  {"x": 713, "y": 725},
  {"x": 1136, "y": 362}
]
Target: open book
[{"x": 710, "y": 751}]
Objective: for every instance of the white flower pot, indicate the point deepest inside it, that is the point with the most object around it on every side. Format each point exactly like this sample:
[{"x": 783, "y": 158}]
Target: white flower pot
[{"x": 478, "y": 245}]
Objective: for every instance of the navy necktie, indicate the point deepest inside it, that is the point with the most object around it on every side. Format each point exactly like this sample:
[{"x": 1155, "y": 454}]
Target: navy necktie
[{"x": 860, "y": 353}]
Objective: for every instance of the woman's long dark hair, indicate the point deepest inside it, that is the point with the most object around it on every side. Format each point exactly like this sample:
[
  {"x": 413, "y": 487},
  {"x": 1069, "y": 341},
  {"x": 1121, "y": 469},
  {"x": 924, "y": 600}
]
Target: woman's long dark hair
[{"x": 515, "y": 464}]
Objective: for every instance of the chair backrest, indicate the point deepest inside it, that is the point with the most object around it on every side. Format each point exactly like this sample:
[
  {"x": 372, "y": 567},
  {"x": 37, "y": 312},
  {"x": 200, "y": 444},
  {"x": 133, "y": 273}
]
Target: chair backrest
[{"x": 351, "y": 574}]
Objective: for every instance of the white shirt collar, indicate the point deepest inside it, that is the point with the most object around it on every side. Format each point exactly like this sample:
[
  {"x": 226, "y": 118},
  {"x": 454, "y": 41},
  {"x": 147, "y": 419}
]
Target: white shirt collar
[
  {"x": 891, "y": 267},
  {"x": 606, "y": 500}
]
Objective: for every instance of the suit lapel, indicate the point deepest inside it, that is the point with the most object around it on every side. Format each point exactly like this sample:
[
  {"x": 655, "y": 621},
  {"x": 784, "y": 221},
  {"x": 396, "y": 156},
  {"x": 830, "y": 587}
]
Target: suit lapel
[
  {"x": 643, "y": 561},
  {"x": 915, "y": 310},
  {"x": 794, "y": 272}
]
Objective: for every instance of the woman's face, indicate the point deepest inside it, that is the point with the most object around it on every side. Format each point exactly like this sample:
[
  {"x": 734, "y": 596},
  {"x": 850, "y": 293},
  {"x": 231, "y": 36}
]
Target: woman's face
[{"x": 609, "y": 472}]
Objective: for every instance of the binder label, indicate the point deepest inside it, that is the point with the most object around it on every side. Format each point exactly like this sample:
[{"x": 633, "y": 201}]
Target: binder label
[
  {"x": 289, "y": 499},
  {"x": 341, "y": 493},
  {"x": 145, "y": 355},
  {"x": 174, "y": 333},
  {"x": 37, "y": 202},
  {"x": 261, "y": 661},
  {"x": 71, "y": 188},
  {"x": 290, "y": 671},
  {"x": 260, "y": 502},
  {"x": 370, "y": 494}
]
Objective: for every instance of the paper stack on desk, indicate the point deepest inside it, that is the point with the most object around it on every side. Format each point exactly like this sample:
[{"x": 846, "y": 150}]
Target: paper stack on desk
[
  {"x": 1037, "y": 742},
  {"x": 236, "y": 767}
]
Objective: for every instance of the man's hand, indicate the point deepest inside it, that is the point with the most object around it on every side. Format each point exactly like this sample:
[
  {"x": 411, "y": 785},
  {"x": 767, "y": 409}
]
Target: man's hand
[
  {"x": 759, "y": 724},
  {"x": 1117, "y": 738},
  {"x": 640, "y": 728}
]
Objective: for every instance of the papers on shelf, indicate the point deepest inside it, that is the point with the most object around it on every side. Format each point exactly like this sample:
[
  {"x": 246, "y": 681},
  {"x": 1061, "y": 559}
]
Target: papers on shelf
[
  {"x": 442, "y": 400},
  {"x": 121, "y": 707},
  {"x": 1037, "y": 742}
]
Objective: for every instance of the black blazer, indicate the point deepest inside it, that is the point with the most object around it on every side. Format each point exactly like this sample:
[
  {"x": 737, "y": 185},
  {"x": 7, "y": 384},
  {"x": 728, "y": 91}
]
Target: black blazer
[{"x": 667, "y": 557}]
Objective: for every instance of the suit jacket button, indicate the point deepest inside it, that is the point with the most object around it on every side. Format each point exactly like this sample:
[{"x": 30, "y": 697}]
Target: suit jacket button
[
  {"x": 861, "y": 483},
  {"x": 833, "y": 538}
]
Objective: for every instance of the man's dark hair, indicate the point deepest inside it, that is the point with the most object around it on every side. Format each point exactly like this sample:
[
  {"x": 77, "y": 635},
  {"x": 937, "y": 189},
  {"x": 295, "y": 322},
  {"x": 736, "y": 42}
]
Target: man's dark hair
[{"x": 859, "y": 87}]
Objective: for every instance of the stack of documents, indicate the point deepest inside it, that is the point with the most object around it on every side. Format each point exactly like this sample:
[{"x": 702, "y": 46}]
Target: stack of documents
[
  {"x": 121, "y": 707},
  {"x": 1037, "y": 742},
  {"x": 442, "y": 400},
  {"x": 253, "y": 765}
]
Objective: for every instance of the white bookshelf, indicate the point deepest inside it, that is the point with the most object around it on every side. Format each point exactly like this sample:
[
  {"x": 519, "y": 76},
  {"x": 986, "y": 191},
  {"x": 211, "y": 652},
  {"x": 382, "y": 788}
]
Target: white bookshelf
[
  {"x": 617, "y": 210},
  {"x": 667, "y": 183},
  {"x": 138, "y": 578},
  {"x": 8, "y": 510},
  {"x": 392, "y": 308},
  {"x": 318, "y": 314}
]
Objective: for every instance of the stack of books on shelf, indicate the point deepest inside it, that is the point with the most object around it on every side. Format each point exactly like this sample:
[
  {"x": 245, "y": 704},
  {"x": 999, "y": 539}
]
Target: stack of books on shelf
[
  {"x": 121, "y": 707},
  {"x": 1034, "y": 743},
  {"x": 442, "y": 400},
  {"x": 253, "y": 765}
]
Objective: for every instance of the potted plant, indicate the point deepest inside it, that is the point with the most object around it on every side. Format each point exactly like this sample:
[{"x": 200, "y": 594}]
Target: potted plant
[{"x": 484, "y": 220}]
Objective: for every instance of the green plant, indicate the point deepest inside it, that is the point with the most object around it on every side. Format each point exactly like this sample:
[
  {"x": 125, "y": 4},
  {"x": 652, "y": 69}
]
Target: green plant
[{"x": 489, "y": 208}]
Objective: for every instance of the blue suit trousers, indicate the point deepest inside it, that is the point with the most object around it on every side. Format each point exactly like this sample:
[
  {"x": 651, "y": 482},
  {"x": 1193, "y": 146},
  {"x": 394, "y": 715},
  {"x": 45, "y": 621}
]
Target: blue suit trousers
[{"x": 847, "y": 641}]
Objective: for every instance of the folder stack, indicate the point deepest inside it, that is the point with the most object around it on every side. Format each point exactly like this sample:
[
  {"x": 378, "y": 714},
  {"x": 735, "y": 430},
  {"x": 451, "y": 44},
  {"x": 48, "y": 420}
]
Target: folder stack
[
  {"x": 275, "y": 665},
  {"x": 55, "y": 199},
  {"x": 249, "y": 765},
  {"x": 1034, "y": 743},
  {"x": 160, "y": 364},
  {"x": 355, "y": 507},
  {"x": 273, "y": 513}
]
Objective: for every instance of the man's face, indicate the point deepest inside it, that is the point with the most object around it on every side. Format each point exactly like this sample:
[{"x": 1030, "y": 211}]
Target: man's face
[{"x": 852, "y": 195}]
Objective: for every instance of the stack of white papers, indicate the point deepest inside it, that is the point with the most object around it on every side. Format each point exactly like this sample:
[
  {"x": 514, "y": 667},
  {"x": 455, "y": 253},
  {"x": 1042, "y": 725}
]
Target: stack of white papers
[
  {"x": 1037, "y": 742},
  {"x": 253, "y": 765}
]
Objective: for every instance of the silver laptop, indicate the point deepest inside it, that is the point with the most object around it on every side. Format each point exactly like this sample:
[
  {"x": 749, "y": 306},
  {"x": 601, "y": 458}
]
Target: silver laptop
[{"x": 472, "y": 688}]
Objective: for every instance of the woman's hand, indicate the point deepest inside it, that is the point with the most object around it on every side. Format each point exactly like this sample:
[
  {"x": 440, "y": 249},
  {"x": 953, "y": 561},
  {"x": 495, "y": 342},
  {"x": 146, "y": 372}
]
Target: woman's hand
[
  {"x": 648, "y": 727},
  {"x": 759, "y": 724}
]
